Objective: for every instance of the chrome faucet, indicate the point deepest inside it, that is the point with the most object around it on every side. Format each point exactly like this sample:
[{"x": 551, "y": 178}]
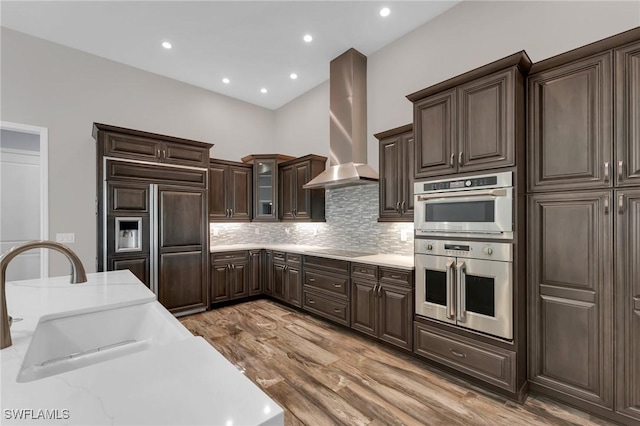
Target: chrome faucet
[{"x": 77, "y": 276}]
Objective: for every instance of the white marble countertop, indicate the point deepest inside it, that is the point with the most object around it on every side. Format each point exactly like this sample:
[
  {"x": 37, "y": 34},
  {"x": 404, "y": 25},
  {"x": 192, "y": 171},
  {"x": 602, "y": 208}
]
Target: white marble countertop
[
  {"x": 183, "y": 382},
  {"x": 390, "y": 260}
]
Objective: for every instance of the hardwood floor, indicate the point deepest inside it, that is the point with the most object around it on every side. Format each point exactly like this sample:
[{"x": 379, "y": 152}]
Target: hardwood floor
[{"x": 322, "y": 374}]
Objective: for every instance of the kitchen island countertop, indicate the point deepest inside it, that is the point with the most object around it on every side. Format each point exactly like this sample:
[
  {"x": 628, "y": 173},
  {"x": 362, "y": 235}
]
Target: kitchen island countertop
[
  {"x": 399, "y": 261},
  {"x": 184, "y": 381}
]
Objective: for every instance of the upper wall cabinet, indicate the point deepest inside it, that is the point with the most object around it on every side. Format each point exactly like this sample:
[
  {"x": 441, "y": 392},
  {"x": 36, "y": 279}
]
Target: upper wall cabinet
[
  {"x": 396, "y": 174},
  {"x": 265, "y": 185},
  {"x": 229, "y": 191},
  {"x": 578, "y": 103},
  {"x": 295, "y": 202},
  {"x": 471, "y": 122},
  {"x": 137, "y": 145}
]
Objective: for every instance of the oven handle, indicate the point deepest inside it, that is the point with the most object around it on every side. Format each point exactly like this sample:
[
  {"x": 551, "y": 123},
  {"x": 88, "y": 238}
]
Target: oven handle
[
  {"x": 490, "y": 192},
  {"x": 451, "y": 309},
  {"x": 462, "y": 290}
]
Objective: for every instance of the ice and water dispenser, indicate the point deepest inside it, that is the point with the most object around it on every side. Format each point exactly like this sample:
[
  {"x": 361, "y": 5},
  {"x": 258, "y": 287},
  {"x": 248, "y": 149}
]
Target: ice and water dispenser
[{"x": 128, "y": 234}]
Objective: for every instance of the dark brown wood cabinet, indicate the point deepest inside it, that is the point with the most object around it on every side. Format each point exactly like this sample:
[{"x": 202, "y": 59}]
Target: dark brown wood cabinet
[
  {"x": 627, "y": 289},
  {"x": 230, "y": 191},
  {"x": 627, "y": 114},
  {"x": 295, "y": 202},
  {"x": 383, "y": 308},
  {"x": 267, "y": 272},
  {"x": 265, "y": 185},
  {"x": 137, "y": 145},
  {"x": 230, "y": 276},
  {"x": 326, "y": 288},
  {"x": 472, "y": 122},
  {"x": 570, "y": 294},
  {"x": 255, "y": 272},
  {"x": 396, "y": 174},
  {"x": 287, "y": 278}
]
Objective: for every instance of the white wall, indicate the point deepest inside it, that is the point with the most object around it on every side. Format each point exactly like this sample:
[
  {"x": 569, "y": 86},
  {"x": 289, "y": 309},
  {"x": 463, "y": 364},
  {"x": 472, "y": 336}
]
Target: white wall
[
  {"x": 465, "y": 37},
  {"x": 65, "y": 90}
]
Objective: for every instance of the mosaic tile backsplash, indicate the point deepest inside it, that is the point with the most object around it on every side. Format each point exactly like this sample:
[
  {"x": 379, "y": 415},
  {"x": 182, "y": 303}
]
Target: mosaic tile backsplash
[{"x": 352, "y": 224}]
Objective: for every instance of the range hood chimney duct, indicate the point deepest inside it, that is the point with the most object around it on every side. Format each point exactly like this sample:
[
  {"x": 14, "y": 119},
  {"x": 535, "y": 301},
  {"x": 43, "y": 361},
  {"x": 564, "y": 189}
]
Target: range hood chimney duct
[{"x": 348, "y": 124}]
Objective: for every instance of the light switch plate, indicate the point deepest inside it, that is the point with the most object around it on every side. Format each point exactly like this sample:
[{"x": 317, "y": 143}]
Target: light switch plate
[
  {"x": 403, "y": 235},
  {"x": 66, "y": 238}
]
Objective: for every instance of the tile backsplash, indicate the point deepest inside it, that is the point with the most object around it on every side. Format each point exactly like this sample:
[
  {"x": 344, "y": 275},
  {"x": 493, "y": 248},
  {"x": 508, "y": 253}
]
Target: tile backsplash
[{"x": 352, "y": 224}]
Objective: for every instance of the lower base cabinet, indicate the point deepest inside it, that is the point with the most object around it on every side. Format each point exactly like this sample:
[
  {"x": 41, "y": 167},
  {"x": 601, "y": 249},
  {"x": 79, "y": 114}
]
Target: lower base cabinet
[
  {"x": 229, "y": 276},
  {"x": 383, "y": 308},
  {"x": 287, "y": 278}
]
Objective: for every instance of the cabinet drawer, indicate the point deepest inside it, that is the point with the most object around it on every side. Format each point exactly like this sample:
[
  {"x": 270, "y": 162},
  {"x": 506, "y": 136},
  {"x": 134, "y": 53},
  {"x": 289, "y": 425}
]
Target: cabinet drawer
[
  {"x": 229, "y": 257},
  {"x": 279, "y": 256},
  {"x": 337, "y": 266},
  {"x": 336, "y": 310},
  {"x": 396, "y": 276},
  {"x": 127, "y": 146},
  {"x": 175, "y": 153},
  {"x": 293, "y": 258},
  {"x": 337, "y": 285},
  {"x": 493, "y": 365},
  {"x": 364, "y": 271}
]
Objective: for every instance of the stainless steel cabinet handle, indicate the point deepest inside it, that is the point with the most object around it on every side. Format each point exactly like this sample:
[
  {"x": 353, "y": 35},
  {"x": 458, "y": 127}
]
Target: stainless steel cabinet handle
[
  {"x": 462, "y": 290},
  {"x": 336, "y": 285},
  {"x": 460, "y": 159},
  {"x": 375, "y": 289},
  {"x": 228, "y": 266},
  {"x": 380, "y": 290},
  {"x": 311, "y": 301},
  {"x": 606, "y": 205},
  {"x": 451, "y": 311},
  {"x": 364, "y": 271},
  {"x": 620, "y": 204},
  {"x": 311, "y": 280},
  {"x": 458, "y": 354},
  {"x": 452, "y": 159},
  {"x": 606, "y": 171},
  {"x": 230, "y": 212},
  {"x": 397, "y": 277},
  {"x": 158, "y": 154},
  {"x": 398, "y": 206},
  {"x": 402, "y": 208},
  {"x": 337, "y": 310},
  {"x": 620, "y": 169}
]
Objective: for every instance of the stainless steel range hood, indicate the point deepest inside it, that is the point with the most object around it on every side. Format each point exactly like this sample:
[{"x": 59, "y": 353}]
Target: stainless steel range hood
[{"x": 348, "y": 124}]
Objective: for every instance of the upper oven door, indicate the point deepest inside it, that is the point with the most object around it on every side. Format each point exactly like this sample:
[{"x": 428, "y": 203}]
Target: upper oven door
[{"x": 488, "y": 211}]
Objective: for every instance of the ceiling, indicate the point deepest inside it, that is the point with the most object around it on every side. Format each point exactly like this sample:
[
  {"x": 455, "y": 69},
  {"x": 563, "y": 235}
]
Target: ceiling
[{"x": 255, "y": 44}]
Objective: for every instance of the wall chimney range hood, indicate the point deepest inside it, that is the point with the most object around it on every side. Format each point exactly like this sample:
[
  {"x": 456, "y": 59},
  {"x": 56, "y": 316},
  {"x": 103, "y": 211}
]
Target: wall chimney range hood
[{"x": 348, "y": 124}]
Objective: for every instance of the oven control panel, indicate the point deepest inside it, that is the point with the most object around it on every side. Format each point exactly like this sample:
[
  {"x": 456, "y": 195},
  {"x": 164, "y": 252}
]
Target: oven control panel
[
  {"x": 496, "y": 180},
  {"x": 468, "y": 249}
]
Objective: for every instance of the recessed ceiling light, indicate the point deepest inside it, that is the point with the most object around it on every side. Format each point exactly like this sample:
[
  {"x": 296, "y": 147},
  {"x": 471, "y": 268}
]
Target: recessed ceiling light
[
  {"x": 293, "y": 76},
  {"x": 226, "y": 80},
  {"x": 384, "y": 12},
  {"x": 166, "y": 45},
  {"x": 307, "y": 38},
  {"x": 263, "y": 90}
]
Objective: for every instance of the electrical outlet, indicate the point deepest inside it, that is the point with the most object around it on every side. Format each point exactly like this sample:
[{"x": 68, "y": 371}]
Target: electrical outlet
[
  {"x": 315, "y": 232},
  {"x": 287, "y": 231},
  {"x": 216, "y": 232},
  {"x": 403, "y": 235},
  {"x": 67, "y": 238},
  {"x": 257, "y": 231}
]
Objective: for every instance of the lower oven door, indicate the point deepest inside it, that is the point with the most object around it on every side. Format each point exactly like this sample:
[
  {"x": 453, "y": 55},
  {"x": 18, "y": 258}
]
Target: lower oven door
[
  {"x": 485, "y": 296},
  {"x": 435, "y": 286}
]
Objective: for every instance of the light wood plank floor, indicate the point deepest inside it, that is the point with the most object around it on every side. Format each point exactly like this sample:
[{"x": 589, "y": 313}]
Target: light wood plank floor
[{"x": 322, "y": 374}]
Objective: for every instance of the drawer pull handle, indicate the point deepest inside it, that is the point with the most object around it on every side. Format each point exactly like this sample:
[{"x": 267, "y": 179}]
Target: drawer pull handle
[
  {"x": 458, "y": 354},
  {"x": 337, "y": 310},
  {"x": 397, "y": 277},
  {"x": 311, "y": 280},
  {"x": 311, "y": 301},
  {"x": 364, "y": 271},
  {"x": 336, "y": 285}
]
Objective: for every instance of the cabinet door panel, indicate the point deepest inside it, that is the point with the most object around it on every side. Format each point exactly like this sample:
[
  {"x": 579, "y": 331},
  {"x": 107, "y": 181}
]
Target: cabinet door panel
[
  {"x": 279, "y": 284},
  {"x": 627, "y": 115},
  {"x": 239, "y": 193},
  {"x": 182, "y": 284},
  {"x": 302, "y": 202},
  {"x": 267, "y": 273},
  {"x": 181, "y": 216},
  {"x": 390, "y": 185},
  {"x": 218, "y": 177},
  {"x": 294, "y": 286},
  {"x": 396, "y": 315},
  {"x": 408, "y": 167},
  {"x": 628, "y": 303},
  {"x": 570, "y": 294},
  {"x": 138, "y": 265},
  {"x": 570, "y": 132},
  {"x": 127, "y": 146},
  {"x": 220, "y": 284},
  {"x": 128, "y": 198},
  {"x": 176, "y": 153},
  {"x": 286, "y": 192},
  {"x": 486, "y": 133},
  {"x": 434, "y": 127},
  {"x": 239, "y": 280},
  {"x": 364, "y": 307},
  {"x": 255, "y": 272}
]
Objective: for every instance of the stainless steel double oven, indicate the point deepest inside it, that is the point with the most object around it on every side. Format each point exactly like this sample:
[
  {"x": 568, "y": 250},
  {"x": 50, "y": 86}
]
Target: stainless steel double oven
[{"x": 459, "y": 279}]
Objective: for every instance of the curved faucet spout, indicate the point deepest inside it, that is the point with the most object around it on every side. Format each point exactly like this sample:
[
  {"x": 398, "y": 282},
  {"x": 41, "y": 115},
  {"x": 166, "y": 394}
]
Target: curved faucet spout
[{"x": 78, "y": 275}]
